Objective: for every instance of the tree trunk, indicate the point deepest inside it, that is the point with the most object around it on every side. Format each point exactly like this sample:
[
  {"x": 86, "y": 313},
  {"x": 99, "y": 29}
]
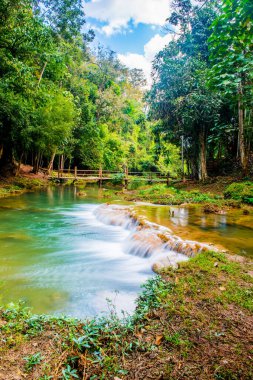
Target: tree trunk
[
  {"x": 62, "y": 162},
  {"x": 36, "y": 163},
  {"x": 202, "y": 155},
  {"x": 241, "y": 139},
  {"x": 19, "y": 164},
  {"x": 7, "y": 164},
  {"x": 42, "y": 72},
  {"x": 51, "y": 163}
]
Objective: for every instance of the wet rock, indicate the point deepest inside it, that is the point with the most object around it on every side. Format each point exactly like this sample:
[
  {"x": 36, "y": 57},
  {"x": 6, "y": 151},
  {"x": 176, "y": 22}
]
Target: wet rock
[{"x": 213, "y": 209}]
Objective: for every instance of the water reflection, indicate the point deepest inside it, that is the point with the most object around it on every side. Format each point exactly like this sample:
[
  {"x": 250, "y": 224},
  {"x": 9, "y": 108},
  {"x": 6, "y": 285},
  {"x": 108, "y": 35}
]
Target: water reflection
[
  {"x": 179, "y": 216},
  {"x": 232, "y": 231}
]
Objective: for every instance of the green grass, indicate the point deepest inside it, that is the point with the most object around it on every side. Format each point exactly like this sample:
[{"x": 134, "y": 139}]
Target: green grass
[
  {"x": 240, "y": 191},
  {"x": 162, "y": 194},
  {"x": 234, "y": 195},
  {"x": 32, "y": 361},
  {"x": 19, "y": 185}
]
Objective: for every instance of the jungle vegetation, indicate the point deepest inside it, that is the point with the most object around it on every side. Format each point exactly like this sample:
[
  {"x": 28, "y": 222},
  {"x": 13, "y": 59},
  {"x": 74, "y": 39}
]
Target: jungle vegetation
[{"x": 64, "y": 104}]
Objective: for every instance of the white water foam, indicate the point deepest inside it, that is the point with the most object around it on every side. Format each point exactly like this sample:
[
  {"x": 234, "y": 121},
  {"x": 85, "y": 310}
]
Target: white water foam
[{"x": 144, "y": 242}]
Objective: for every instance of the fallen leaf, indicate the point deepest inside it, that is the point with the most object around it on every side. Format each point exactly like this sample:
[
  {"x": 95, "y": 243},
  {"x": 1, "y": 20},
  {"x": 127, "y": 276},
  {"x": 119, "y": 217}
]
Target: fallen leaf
[
  {"x": 222, "y": 288},
  {"x": 158, "y": 339}
]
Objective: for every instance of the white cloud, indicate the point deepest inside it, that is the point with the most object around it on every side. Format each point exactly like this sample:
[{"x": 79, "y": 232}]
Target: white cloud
[
  {"x": 156, "y": 44},
  {"x": 144, "y": 61},
  {"x": 117, "y": 13},
  {"x": 137, "y": 61}
]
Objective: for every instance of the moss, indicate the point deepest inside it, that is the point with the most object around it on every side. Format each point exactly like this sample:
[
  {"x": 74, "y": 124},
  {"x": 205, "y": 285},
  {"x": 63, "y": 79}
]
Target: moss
[
  {"x": 162, "y": 194},
  {"x": 19, "y": 185},
  {"x": 240, "y": 191}
]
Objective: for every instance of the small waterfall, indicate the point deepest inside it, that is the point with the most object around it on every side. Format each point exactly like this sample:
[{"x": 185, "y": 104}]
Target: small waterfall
[
  {"x": 149, "y": 240},
  {"x": 143, "y": 243},
  {"x": 116, "y": 216}
]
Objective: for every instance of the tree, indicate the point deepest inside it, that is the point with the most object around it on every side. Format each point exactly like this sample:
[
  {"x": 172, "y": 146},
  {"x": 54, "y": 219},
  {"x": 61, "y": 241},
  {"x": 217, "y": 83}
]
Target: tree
[{"x": 231, "y": 51}]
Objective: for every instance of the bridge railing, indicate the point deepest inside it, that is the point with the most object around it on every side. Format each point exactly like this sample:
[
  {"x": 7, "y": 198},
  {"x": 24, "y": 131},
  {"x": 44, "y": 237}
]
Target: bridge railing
[{"x": 106, "y": 174}]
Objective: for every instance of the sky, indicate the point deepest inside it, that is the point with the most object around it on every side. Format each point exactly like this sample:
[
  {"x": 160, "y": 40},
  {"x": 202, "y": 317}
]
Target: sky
[{"x": 131, "y": 28}]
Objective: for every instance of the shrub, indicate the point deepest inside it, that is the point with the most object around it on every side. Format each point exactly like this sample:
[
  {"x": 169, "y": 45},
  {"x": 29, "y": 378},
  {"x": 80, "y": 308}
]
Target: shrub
[{"x": 242, "y": 191}]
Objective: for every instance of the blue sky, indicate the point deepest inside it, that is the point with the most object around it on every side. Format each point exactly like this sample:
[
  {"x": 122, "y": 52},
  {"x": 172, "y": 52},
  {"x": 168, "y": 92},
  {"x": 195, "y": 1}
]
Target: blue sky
[
  {"x": 132, "y": 28},
  {"x": 131, "y": 40}
]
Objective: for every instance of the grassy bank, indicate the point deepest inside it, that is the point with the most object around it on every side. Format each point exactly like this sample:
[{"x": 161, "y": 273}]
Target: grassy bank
[
  {"x": 216, "y": 197},
  {"x": 19, "y": 185},
  {"x": 191, "y": 323}
]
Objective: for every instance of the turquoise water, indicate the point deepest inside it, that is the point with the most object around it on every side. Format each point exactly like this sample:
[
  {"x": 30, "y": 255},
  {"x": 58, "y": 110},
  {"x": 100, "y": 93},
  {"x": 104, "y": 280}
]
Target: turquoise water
[{"x": 57, "y": 257}]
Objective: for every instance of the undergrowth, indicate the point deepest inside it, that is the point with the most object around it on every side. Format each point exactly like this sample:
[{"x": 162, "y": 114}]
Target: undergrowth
[
  {"x": 234, "y": 195},
  {"x": 18, "y": 185},
  {"x": 240, "y": 191},
  {"x": 162, "y": 194}
]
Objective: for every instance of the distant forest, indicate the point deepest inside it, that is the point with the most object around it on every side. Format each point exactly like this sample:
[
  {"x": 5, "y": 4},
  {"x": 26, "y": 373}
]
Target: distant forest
[{"x": 63, "y": 104}]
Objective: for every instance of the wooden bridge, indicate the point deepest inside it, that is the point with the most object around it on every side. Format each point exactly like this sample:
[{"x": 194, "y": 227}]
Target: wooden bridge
[{"x": 64, "y": 175}]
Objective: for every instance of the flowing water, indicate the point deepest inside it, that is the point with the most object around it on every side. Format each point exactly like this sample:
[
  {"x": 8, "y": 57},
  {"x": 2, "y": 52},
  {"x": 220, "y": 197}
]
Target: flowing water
[
  {"x": 58, "y": 257},
  {"x": 63, "y": 254},
  {"x": 232, "y": 231}
]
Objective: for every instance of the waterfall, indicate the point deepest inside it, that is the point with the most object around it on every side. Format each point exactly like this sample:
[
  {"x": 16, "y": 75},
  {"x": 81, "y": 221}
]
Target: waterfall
[
  {"x": 149, "y": 240},
  {"x": 115, "y": 215}
]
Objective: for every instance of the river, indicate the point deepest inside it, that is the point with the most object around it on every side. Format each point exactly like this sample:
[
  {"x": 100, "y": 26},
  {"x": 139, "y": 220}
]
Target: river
[{"x": 58, "y": 257}]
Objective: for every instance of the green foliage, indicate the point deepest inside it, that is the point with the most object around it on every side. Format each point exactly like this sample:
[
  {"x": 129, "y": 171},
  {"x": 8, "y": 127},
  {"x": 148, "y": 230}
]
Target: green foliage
[
  {"x": 169, "y": 161},
  {"x": 198, "y": 79},
  {"x": 68, "y": 373},
  {"x": 32, "y": 361},
  {"x": 162, "y": 194},
  {"x": 231, "y": 47},
  {"x": 118, "y": 178},
  {"x": 153, "y": 294},
  {"x": 57, "y": 99},
  {"x": 242, "y": 191}
]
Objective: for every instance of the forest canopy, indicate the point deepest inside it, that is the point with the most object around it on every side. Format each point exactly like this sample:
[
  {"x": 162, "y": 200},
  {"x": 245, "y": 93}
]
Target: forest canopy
[{"x": 64, "y": 104}]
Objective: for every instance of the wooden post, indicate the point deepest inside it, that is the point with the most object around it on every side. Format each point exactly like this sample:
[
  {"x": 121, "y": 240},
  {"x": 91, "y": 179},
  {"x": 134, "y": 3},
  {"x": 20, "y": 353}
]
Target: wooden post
[
  {"x": 100, "y": 174},
  {"x": 168, "y": 179},
  {"x": 75, "y": 172},
  {"x": 125, "y": 176}
]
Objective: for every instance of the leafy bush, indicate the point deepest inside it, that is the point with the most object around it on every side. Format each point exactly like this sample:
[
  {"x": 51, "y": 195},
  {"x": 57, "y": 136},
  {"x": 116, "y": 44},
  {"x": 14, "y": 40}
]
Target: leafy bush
[
  {"x": 32, "y": 360},
  {"x": 136, "y": 183},
  {"x": 118, "y": 178},
  {"x": 242, "y": 191}
]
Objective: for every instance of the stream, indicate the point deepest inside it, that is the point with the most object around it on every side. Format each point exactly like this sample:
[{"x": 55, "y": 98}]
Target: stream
[{"x": 60, "y": 257}]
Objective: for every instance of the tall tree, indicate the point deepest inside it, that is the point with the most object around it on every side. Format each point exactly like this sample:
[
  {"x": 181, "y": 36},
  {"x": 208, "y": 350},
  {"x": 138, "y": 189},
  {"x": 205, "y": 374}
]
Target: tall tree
[{"x": 231, "y": 49}]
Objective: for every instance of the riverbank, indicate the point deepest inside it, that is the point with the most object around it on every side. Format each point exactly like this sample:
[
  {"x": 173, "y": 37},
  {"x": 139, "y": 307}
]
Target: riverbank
[
  {"x": 215, "y": 197},
  {"x": 25, "y": 181},
  {"x": 194, "y": 322}
]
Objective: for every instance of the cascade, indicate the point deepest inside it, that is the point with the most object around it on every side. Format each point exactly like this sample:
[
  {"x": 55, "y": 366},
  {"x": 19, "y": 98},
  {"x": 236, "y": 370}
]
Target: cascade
[{"x": 149, "y": 240}]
